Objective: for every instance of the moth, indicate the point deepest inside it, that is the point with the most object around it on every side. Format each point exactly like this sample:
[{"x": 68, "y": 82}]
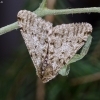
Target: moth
[{"x": 51, "y": 48}]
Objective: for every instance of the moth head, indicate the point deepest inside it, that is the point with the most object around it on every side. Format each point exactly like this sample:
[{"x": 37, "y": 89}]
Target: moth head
[
  {"x": 20, "y": 15},
  {"x": 25, "y": 17},
  {"x": 20, "y": 18}
]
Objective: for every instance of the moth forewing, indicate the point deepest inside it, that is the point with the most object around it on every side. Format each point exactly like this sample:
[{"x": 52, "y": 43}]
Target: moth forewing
[{"x": 51, "y": 47}]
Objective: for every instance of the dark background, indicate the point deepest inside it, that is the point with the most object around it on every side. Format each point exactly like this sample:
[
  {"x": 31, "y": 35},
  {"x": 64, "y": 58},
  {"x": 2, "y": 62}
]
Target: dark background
[{"x": 18, "y": 80}]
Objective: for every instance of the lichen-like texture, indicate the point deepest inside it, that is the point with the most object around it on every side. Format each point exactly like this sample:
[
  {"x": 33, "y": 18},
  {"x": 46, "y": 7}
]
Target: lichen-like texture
[{"x": 51, "y": 47}]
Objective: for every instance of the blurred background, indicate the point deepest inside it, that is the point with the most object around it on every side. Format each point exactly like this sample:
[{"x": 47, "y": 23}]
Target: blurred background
[{"x": 18, "y": 80}]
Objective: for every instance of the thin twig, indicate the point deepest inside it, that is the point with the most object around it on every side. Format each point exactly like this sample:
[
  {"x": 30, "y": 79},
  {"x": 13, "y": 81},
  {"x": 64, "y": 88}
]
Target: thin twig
[
  {"x": 85, "y": 79},
  {"x": 50, "y": 5}
]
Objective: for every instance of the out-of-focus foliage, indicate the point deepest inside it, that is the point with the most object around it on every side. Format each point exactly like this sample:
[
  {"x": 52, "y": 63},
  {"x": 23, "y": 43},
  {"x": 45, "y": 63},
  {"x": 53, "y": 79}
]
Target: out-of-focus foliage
[{"x": 18, "y": 80}]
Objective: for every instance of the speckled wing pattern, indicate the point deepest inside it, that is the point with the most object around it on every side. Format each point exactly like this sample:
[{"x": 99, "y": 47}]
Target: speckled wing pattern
[{"x": 51, "y": 47}]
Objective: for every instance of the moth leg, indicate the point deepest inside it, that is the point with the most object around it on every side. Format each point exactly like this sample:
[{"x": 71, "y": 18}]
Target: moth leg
[{"x": 76, "y": 57}]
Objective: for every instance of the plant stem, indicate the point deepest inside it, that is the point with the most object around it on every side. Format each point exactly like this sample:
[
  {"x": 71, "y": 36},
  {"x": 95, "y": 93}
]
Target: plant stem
[
  {"x": 43, "y": 4},
  {"x": 44, "y": 11},
  {"x": 8, "y": 28}
]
